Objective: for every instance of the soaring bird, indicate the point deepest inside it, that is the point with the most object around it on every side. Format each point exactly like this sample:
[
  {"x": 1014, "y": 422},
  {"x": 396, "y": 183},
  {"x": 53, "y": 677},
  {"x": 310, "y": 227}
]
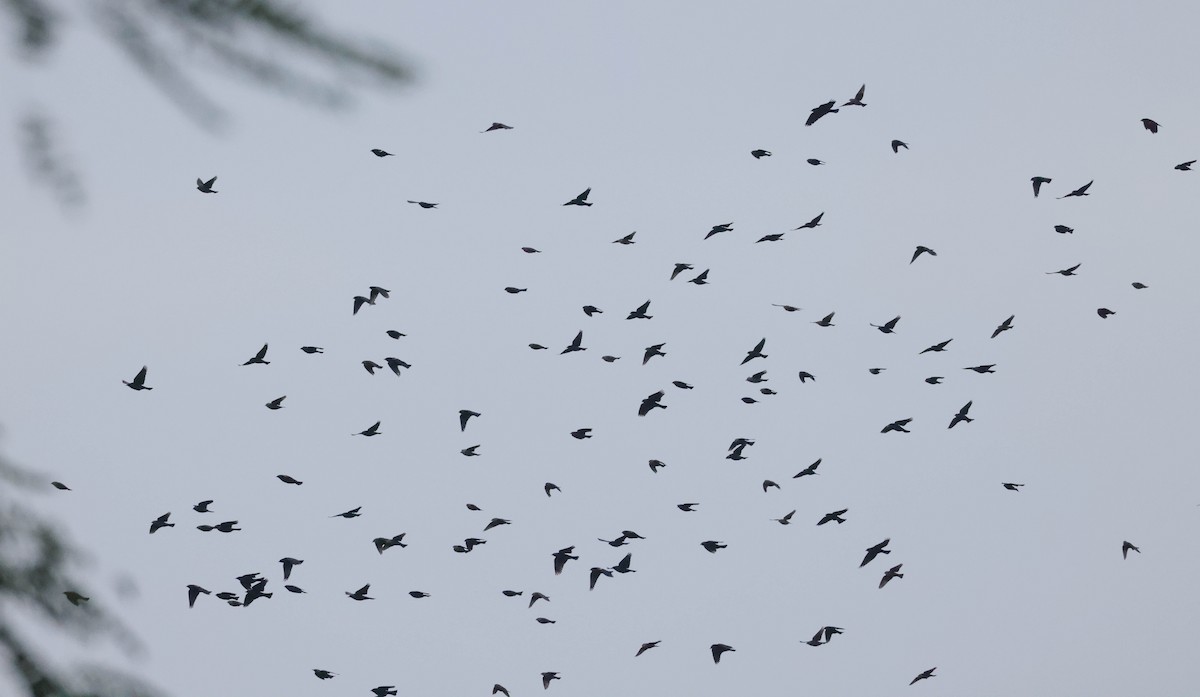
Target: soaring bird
[
  {"x": 810, "y": 470},
  {"x": 1126, "y": 546},
  {"x": 712, "y": 545},
  {"x": 1135, "y": 284},
  {"x": 897, "y": 144},
  {"x": 787, "y": 308},
  {"x": 202, "y": 507},
  {"x": 897, "y": 425},
  {"x": 687, "y": 507},
  {"x": 682, "y": 385},
  {"x": 736, "y": 454},
  {"x": 1185, "y": 166},
  {"x": 381, "y": 153},
  {"x": 627, "y": 239},
  {"x": 755, "y": 352},
  {"x": 465, "y": 415},
  {"x": 1010, "y": 486},
  {"x": 1081, "y": 191},
  {"x": 818, "y": 638},
  {"x": 819, "y": 111},
  {"x": 655, "y": 465},
  {"x": 760, "y": 376},
  {"x": 581, "y": 199},
  {"x": 679, "y": 268},
  {"x": 382, "y": 544},
  {"x": 717, "y": 229},
  {"x": 361, "y": 593},
  {"x": 651, "y": 402},
  {"x": 323, "y": 674},
  {"x": 590, "y": 310},
  {"x": 194, "y": 592},
  {"x": 1104, "y": 312},
  {"x": 227, "y": 526},
  {"x": 815, "y": 222},
  {"x": 981, "y": 369},
  {"x": 938, "y": 347},
  {"x": 513, "y": 290},
  {"x": 924, "y": 676},
  {"x": 418, "y": 594},
  {"x": 805, "y": 376},
  {"x": 396, "y": 364},
  {"x": 276, "y": 403},
  {"x": 875, "y": 551},
  {"x": 961, "y": 415},
  {"x": 496, "y": 522},
  {"x": 1064, "y": 230},
  {"x": 312, "y": 349},
  {"x": 1150, "y": 125},
  {"x": 373, "y": 430},
  {"x": 922, "y": 249},
  {"x": 646, "y": 647},
  {"x": 652, "y": 351},
  {"x": 1065, "y": 272},
  {"x": 773, "y": 237},
  {"x": 575, "y": 345},
  {"x": 424, "y": 204},
  {"x": 288, "y": 479},
  {"x": 826, "y": 321},
  {"x": 139, "y": 381},
  {"x": 785, "y": 520},
  {"x": 1037, "y": 184},
  {"x": 498, "y": 688},
  {"x": 371, "y": 366},
  {"x": 539, "y": 595},
  {"x": 701, "y": 278},
  {"x": 857, "y": 99},
  {"x": 891, "y": 573},
  {"x": 352, "y": 513},
  {"x": 767, "y": 484},
  {"x": 160, "y": 522},
  {"x": 1004, "y": 326},
  {"x": 259, "y": 357},
  {"x": 875, "y": 371},
  {"x": 640, "y": 312},
  {"x": 759, "y": 154},
  {"x": 288, "y": 564},
  {"x": 595, "y": 574},
  {"x": 531, "y": 250},
  {"x": 206, "y": 187},
  {"x": 496, "y": 126},
  {"x": 547, "y": 677},
  {"x": 814, "y": 161},
  {"x": 834, "y": 517},
  {"x": 377, "y": 292},
  {"x": 887, "y": 327},
  {"x": 718, "y": 649},
  {"x": 581, "y": 433},
  {"x": 622, "y": 567},
  {"x": 384, "y": 690}
]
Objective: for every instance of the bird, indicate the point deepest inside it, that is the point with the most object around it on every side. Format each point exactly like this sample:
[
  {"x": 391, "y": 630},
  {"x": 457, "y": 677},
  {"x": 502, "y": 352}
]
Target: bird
[
  {"x": 682, "y": 385},
  {"x": 1185, "y": 166},
  {"x": 1063, "y": 230},
  {"x": 922, "y": 249},
  {"x": 513, "y": 290},
  {"x": 581, "y": 199},
  {"x": 618, "y": 542},
  {"x": 810, "y": 470},
  {"x": 701, "y": 279},
  {"x": 1126, "y": 546},
  {"x": 1010, "y": 486},
  {"x": 206, "y": 187},
  {"x": 627, "y": 239},
  {"x": 500, "y": 688},
  {"x": 655, "y": 465},
  {"x": 590, "y": 310},
  {"x": 819, "y": 111},
  {"x": 755, "y": 352},
  {"x": 712, "y": 545},
  {"x": 227, "y": 526},
  {"x": 424, "y": 204},
  {"x": 1150, "y": 125},
  {"x": 759, "y": 154},
  {"x": 323, "y": 674},
  {"x": 815, "y": 222},
  {"x": 418, "y": 594},
  {"x": 382, "y": 544},
  {"x": 139, "y": 381},
  {"x": 384, "y": 690},
  {"x": 652, "y": 351},
  {"x": 875, "y": 551},
  {"x": 465, "y": 415},
  {"x": 736, "y": 454},
  {"x": 547, "y": 677},
  {"x": 371, "y": 366},
  {"x": 785, "y": 520},
  {"x": 312, "y": 349},
  {"x": 595, "y": 574},
  {"x": 767, "y": 484},
  {"x": 834, "y": 517},
  {"x": 758, "y": 377},
  {"x": 622, "y": 567},
  {"x": 814, "y": 161},
  {"x": 377, "y": 292},
  {"x": 395, "y": 364},
  {"x": 687, "y": 507},
  {"x": 473, "y": 507},
  {"x": 359, "y": 301},
  {"x": 787, "y": 308},
  {"x": 373, "y": 430},
  {"x": 575, "y": 346},
  {"x": 361, "y": 593},
  {"x": 276, "y": 403},
  {"x": 495, "y": 523},
  {"x": 897, "y": 144},
  {"x": 582, "y": 433},
  {"x": 160, "y": 522},
  {"x": 679, "y": 268},
  {"x": 818, "y": 638},
  {"x": 76, "y": 598},
  {"x": 259, "y": 358},
  {"x": 646, "y": 647},
  {"x": 888, "y": 327},
  {"x": 496, "y": 126},
  {"x": 805, "y": 376},
  {"x": 718, "y": 649},
  {"x": 651, "y": 402},
  {"x": 924, "y": 676},
  {"x": 1104, "y": 312},
  {"x": 541, "y": 596},
  {"x": 1037, "y": 184},
  {"x": 897, "y": 425},
  {"x": 352, "y": 513},
  {"x": 939, "y": 347},
  {"x": 610, "y": 359},
  {"x": 891, "y": 573},
  {"x": 1081, "y": 191},
  {"x": 1135, "y": 284},
  {"x": 640, "y": 312},
  {"x": 981, "y": 369},
  {"x": 512, "y": 594},
  {"x": 826, "y": 321},
  {"x": 773, "y": 237},
  {"x": 961, "y": 415},
  {"x": 194, "y": 592},
  {"x": 1004, "y": 326},
  {"x": 875, "y": 371},
  {"x": 550, "y": 486},
  {"x": 381, "y": 153},
  {"x": 531, "y": 250},
  {"x": 288, "y": 564},
  {"x": 717, "y": 229},
  {"x": 857, "y": 99},
  {"x": 60, "y": 486},
  {"x": 288, "y": 479}
]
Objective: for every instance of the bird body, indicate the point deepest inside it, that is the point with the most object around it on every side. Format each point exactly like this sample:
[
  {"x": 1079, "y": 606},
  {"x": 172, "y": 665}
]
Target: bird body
[{"x": 206, "y": 187}]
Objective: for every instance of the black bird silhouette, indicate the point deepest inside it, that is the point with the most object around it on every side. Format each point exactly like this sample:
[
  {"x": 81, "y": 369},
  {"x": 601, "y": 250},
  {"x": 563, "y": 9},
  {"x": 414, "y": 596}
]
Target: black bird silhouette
[
  {"x": 194, "y": 592},
  {"x": 755, "y": 352},
  {"x": 888, "y": 327},
  {"x": 822, "y": 110},
  {"x": 891, "y": 573},
  {"x": 382, "y": 544},
  {"x": 1126, "y": 546},
  {"x": 395, "y": 364},
  {"x": 561, "y": 557},
  {"x": 384, "y": 690},
  {"x": 897, "y": 425},
  {"x": 542, "y": 596},
  {"x": 496, "y": 126},
  {"x": 897, "y": 144},
  {"x": 1063, "y": 229},
  {"x": 815, "y": 222},
  {"x": 373, "y": 430},
  {"x": 202, "y": 507},
  {"x": 682, "y": 385},
  {"x": 939, "y": 347},
  {"x": 352, "y": 513},
  {"x": 717, "y": 229},
  {"x": 580, "y": 434},
  {"x": 1104, "y": 312},
  {"x": 547, "y": 677},
  {"x": 679, "y": 268},
  {"x": 595, "y": 574},
  {"x": 810, "y": 470},
  {"x": 360, "y": 594},
  {"x": 1150, "y": 125},
  {"x": 590, "y": 310},
  {"x": 512, "y": 594},
  {"x": 1037, "y": 184},
  {"x": 981, "y": 369},
  {"x": 652, "y": 402},
  {"x": 513, "y": 290},
  {"x": 377, "y": 292},
  {"x": 206, "y": 186},
  {"x": 712, "y": 545},
  {"x": 759, "y": 154},
  {"x": 646, "y": 647},
  {"x": 640, "y": 312},
  {"x": 465, "y": 415},
  {"x": 787, "y": 308},
  {"x": 531, "y": 250},
  {"x": 259, "y": 357},
  {"x": 718, "y": 649},
  {"x": 814, "y": 161},
  {"x": 767, "y": 483},
  {"x": 288, "y": 564},
  {"x": 324, "y": 674},
  {"x": 139, "y": 381},
  {"x": 1010, "y": 486},
  {"x": 826, "y": 321},
  {"x": 687, "y": 507},
  {"x": 875, "y": 551},
  {"x": 655, "y": 465},
  {"x": 276, "y": 403},
  {"x": 160, "y": 522},
  {"x": 773, "y": 237},
  {"x": 857, "y": 99},
  {"x": 875, "y": 371},
  {"x": 758, "y": 377},
  {"x": 785, "y": 520},
  {"x": 806, "y": 376},
  {"x": 652, "y": 351},
  {"x": 961, "y": 415},
  {"x": 312, "y": 349},
  {"x": 1185, "y": 166},
  {"x": 922, "y": 249},
  {"x": 418, "y": 594},
  {"x": 381, "y": 153},
  {"x": 550, "y": 486},
  {"x": 747, "y": 400},
  {"x": 371, "y": 366},
  {"x": 288, "y": 479},
  {"x": 227, "y": 526},
  {"x": 575, "y": 345},
  {"x": 610, "y": 359},
  {"x": 359, "y": 301},
  {"x": 1135, "y": 284},
  {"x": 701, "y": 279},
  {"x": 581, "y": 199},
  {"x": 834, "y": 517},
  {"x": 627, "y": 239},
  {"x": 622, "y": 567},
  {"x": 500, "y": 688},
  {"x": 924, "y": 676},
  {"x": 496, "y": 522},
  {"x": 424, "y": 204},
  {"x": 736, "y": 453},
  {"x": 1004, "y": 326},
  {"x": 818, "y": 638},
  {"x": 1081, "y": 191}
]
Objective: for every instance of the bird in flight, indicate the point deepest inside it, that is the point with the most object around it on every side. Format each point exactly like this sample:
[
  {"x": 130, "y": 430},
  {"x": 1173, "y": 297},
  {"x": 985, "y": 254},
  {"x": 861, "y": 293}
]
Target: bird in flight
[
  {"x": 381, "y": 153},
  {"x": 324, "y": 674},
  {"x": 352, "y": 513},
  {"x": 206, "y": 186},
  {"x": 595, "y": 574},
  {"x": 373, "y": 430},
  {"x": 1081, "y": 191},
  {"x": 687, "y": 507},
  {"x": 938, "y": 347},
  {"x": 312, "y": 349},
  {"x": 627, "y": 239},
  {"x": 1104, "y": 312},
  {"x": 961, "y": 415},
  {"x": 786, "y": 520},
  {"x": 259, "y": 357},
  {"x": 679, "y": 268},
  {"x": 814, "y": 161},
  {"x": 857, "y": 99},
  {"x": 655, "y": 465},
  {"x": 897, "y": 144},
  {"x": 1065, "y": 272},
  {"x": 787, "y": 308},
  {"x": 496, "y": 126},
  {"x": 1126, "y": 546},
  {"x": 646, "y": 647},
  {"x": 773, "y": 237},
  {"x": 1150, "y": 125},
  {"x": 759, "y": 154},
  {"x": 981, "y": 369},
  {"x": 575, "y": 345},
  {"x": 922, "y": 249},
  {"x": 875, "y": 551},
  {"x": 717, "y": 229},
  {"x": 834, "y": 517},
  {"x": 815, "y": 222},
  {"x": 924, "y": 676},
  {"x": 1063, "y": 229},
  {"x": 276, "y": 403},
  {"x": 1011, "y": 487},
  {"x": 561, "y": 557},
  {"x": 755, "y": 352},
  {"x": 718, "y": 649},
  {"x": 826, "y": 321},
  {"x": 652, "y": 351},
  {"x": 701, "y": 279},
  {"x": 888, "y": 327},
  {"x": 202, "y": 507},
  {"x": 1004, "y": 326},
  {"x": 495, "y": 523},
  {"x": 581, "y": 433},
  {"x": 464, "y": 415},
  {"x": 897, "y": 426},
  {"x": 581, "y": 199},
  {"x": 807, "y": 471},
  {"x": 160, "y": 522},
  {"x": 891, "y": 573},
  {"x": 288, "y": 479},
  {"x": 424, "y": 204},
  {"x": 139, "y": 381},
  {"x": 652, "y": 402},
  {"x": 547, "y": 677},
  {"x": 819, "y": 111},
  {"x": 194, "y": 592},
  {"x": 1185, "y": 166},
  {"x": 712, "y": 545},
  {"x": 360, "y": 594},
  {"x": 1037, "y": 184},
  {"x": 640, "y": 312}
]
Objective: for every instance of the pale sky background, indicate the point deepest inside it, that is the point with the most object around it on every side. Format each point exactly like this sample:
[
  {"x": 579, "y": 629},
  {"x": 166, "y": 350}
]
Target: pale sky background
[{"x": 656, "y": 106}]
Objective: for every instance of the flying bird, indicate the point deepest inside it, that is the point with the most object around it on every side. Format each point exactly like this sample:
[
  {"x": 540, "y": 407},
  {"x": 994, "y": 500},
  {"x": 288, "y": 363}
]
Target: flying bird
[
  {"x": 590, "y": 310},
  {"x": 875, "y": 371},
  {"x": 767, "y": 484},
  {"x": 1135, "y": 284},
  {"x": 352, "y": 513},
  {"x": 496, "y": 522},
  {"x": 652, "y": 402},
  {"x": 1185, "y": 166},
  {"x": 139, "y": 381},
  {"x": 1081, "y": 191},
  {"x": 550, "y": 486},
  {"x": 1010, "y": 486},
  {"x": 424, "y": 204},
  {"x": 465, "y": 415},
  {"x": 759, "y": 154},
  {"x": 787, "y": 308},
  {"x": 891, "y": 573},
  {"x": 826, "y": 321},
  {"x": 1037, "y": 184},
  {"x": 381, "y": 153},
  {"x": 924, "y": 676},
  {"x": 582, "y": 433},
  {"x": 371, "y": 366},
  {"x": 60, "y": 486},
  {"x": 717, "y": 229},
  {"x": 627, "y": 239},
  {"x": 961, "y": 415},
  {"x": 500, "y": 688},
  {"x": 288, "y": 479},
  {"x": 206, "y": 186},
  {"x": 922, "y": 249},
  {"x": 622, "y": 567},
  {"x": 773, "y": 237},
  {"x": 718, "y": 649},
  {"x": 640, "y": 312},
  {"x": 807, "y": 471},
  {"x": 312, "y": 349},
  {"x": 160, "y": 522},
  {"x": 323, "y": 674},
  {"x": 531, "y": 250},
  {"x": 1104, "y": 312},
  {"x": 687, "y": 507},
  {"x": 513, "y": 290},
  {"x": 384, "y": 690},
  {"x": 360, "y": 594},
  {"x": 194, "y": 592},
  {"x": 373, "y": 430},
  {"x": 581, "y": 199},
  {"x": 652, "y": 351},
  {"x": 875, "y": 551},
  {"x": 1126, "y": 546},
  {"x": 682, "y": 385},
  {"x": 1004, "y": 326},
  {"x": 679, "y": 268},
  {"x": 359, "y": 301},
  {"x": 857, "y": 99},
  {"x": 1063, "y": 230},
  {"x": 815, "y": 222},
  {"x": 655, "y": 465},
  {"x": 646, "y": 647},
  {"x": 938, "y": 347},
  {"x": 834, "y": 517},
  {"x": 595, "y": 574},
  {"x": 496, "y": 126},
  {"x": 981, "y": 369},
  {"x": 276, "y": 403},
  {"x": 897, "y": 425},
  {"x": 701, "y": 279},
  {"x": 712, "y": 545},
  {"x": 259, "y": 357},
  {"x": 786, "y": 520},
  {"x": 288, "y": 564},
  {"x": 888, "y": 327},
  {"x": 897, "y": 144},
  {"x": 382, "y": 544},
  {"x": 1065, "y": 272},
  {"x": 814, "y": 161},
  {"x": 547, "y": 677},
  {"x": 755, "y": 352},
  {"x": 395, "y": 364},
  {"x": 806, "y": 376},
  {"x": 819, "y": 111},
  {"x": 1150, "y": 125},
  {"x": 542, "y": 596}
]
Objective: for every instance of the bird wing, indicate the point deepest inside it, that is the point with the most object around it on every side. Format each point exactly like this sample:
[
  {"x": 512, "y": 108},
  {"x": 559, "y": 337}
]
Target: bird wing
[{"x": 140, "y": 378}]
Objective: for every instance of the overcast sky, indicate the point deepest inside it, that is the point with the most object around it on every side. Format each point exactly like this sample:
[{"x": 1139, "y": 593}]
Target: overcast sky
[{"x": 656, "y": 107}]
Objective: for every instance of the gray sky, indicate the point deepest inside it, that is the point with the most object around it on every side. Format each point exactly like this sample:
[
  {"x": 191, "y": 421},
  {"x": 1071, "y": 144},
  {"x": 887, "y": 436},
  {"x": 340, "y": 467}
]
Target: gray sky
[{"x": 656, "y": 106}]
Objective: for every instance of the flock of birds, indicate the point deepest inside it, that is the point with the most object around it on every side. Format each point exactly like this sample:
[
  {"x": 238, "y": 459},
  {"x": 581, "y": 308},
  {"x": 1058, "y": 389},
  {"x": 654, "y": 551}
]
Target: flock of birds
[{"x": 252, "y": 587}]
